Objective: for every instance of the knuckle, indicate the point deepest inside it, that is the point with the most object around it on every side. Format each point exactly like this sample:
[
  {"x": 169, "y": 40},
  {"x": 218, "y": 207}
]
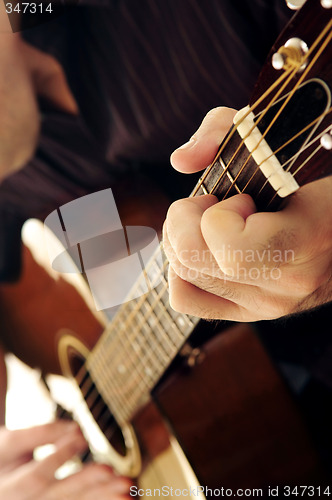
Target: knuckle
[
  {"x": 176, "y": 209},
  {"x": 215, "y": 113}
]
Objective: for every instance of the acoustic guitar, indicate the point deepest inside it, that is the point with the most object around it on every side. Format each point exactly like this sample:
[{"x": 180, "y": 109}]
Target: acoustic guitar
[{"x": 180, "y": 403}]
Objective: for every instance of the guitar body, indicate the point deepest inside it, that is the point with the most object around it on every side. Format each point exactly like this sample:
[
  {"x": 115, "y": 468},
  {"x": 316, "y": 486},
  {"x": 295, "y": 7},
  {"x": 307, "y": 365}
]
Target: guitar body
[{"x": 222, "y": 417}]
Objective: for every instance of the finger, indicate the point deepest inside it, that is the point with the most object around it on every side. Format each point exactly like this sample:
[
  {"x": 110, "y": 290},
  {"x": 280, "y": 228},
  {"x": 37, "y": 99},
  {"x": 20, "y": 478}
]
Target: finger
[
  {"x": 66, "y": 447},
  {"x": 238, "y": 237},
  {"x": 188, "y": 299},
  {"x": 22, "y": 442},
  {"x": 34, "y": 478},
  {"x": 202, "y": 148},
  {"x": 49, "y": 79},
  {"x": 182, "y": 237}
]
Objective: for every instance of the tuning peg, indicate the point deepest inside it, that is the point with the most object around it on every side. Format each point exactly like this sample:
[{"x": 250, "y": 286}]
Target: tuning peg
[
  {"x": 326, "y": 141},
  {"x": 295, "y": 4},
  {"x": 292, "y": 53}
]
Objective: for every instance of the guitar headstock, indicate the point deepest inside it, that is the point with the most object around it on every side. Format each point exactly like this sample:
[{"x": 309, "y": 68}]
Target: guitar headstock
[{"x": 292, "y": 97}]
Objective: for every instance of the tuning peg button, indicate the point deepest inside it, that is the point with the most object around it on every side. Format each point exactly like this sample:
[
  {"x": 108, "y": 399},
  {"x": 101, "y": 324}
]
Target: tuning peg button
[
  {"x": 326, "y": 141},
  {"x": 295, "y": 4}
]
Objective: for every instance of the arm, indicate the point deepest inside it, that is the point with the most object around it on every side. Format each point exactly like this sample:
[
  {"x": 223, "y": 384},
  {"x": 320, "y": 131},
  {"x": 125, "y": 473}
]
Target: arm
[
  {"x": 25, "y": 72},
  {"x": 251, "y": 266}
]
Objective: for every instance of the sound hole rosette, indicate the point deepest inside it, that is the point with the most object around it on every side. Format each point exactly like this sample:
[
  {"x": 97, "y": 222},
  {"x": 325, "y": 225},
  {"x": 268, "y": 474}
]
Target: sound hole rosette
[{"x": 71, "y": 352}]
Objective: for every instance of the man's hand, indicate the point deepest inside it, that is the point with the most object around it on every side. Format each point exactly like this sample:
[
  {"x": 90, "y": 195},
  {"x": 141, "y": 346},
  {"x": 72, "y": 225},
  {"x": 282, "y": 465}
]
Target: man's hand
[
  {"x": 229, "y": 262},
  {"x": 23, "y": 478},
  {"x": 25, "y": 72}
]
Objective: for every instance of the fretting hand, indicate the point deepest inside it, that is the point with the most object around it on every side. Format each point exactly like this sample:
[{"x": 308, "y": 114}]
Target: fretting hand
[{"x": 229, "y": 262}]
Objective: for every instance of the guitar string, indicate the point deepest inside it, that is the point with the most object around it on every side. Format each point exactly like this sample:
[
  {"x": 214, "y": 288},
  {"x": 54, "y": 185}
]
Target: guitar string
[
  {"x": 198, "y": 187},
  {"x": 307, "y": 127},
  {"x": 132, "y": 337},
  {"x": 283, "y": 86},
  {"x": 118, "y": 389},
  {"x": 138, "y": 325},
  {"x": 242, "y": 143},
  {"x": 165, "y": 263},
  {"x": 297, "y": 155},
  {"x": 232, "y": 132},
  {"x": 319, "y": 52},
  {"x": 182, "y": 338},
  {"x": 122, "y": 386},
  {"x": 303, "y": 164},
  {"x": 267, "y": 92},
  {"x": 315, "y": 43},
  {"x": 293, "y": 91},
  {"x": 288, "y": 98}
]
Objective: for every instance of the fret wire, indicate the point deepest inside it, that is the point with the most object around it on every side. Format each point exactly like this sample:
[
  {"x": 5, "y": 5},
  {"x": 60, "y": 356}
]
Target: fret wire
[
  {"x": 131, "y": 314},
  {"x": 121, "y": 352},
  {"x": 165, "y": 312},
  {"x": 261, "y": 116},
  {"x": 143, "y": 359},
  {"x": 122, "y": 388},
  {"x": 110, "y": 394},
  {"x": 117, "y": 319},
  {"x": 158, "y": 325},
  {"x": 258, "y": 101},
  {"x": 115, "y": 387},
  {"x": 110, "y": 385},
  {"x": 149, "y": 352},
  {"x": 128, "y": 403},
  {"x": 129, "y": 339},
  {"x": 138, "y": 305}
]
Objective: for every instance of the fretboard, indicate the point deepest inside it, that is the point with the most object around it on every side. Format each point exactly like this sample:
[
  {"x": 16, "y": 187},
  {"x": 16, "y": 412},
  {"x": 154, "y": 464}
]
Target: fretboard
[
  {"x": 139, "y": 344},
  {"x": 146, "y": 334}
]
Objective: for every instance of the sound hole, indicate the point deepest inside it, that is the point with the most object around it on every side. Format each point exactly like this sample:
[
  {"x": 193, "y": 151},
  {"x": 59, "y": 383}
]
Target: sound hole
[{"x": 98, "y": 408}]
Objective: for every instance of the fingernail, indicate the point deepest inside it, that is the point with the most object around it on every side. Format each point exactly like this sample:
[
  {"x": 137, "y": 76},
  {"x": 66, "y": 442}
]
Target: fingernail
[{"x": 188, "y": 144}]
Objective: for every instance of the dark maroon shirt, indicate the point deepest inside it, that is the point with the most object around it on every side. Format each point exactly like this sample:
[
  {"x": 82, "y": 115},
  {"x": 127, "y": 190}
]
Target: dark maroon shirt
[{"x": 144, "y": 74}]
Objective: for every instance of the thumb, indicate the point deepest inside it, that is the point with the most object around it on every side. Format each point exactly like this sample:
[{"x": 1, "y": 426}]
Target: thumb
[
  {"x": 49, "y": 79},
  {"x": 203, "y": 146}
]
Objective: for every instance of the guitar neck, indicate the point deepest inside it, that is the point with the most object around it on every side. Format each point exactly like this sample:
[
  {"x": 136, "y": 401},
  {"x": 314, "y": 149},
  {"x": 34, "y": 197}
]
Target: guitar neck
[
  {"x": 139, "y": 344},
  {"x": 146, "y": 334},
  {"x": 267, "y": 154},
  {"x": 235, "y": 171}
]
